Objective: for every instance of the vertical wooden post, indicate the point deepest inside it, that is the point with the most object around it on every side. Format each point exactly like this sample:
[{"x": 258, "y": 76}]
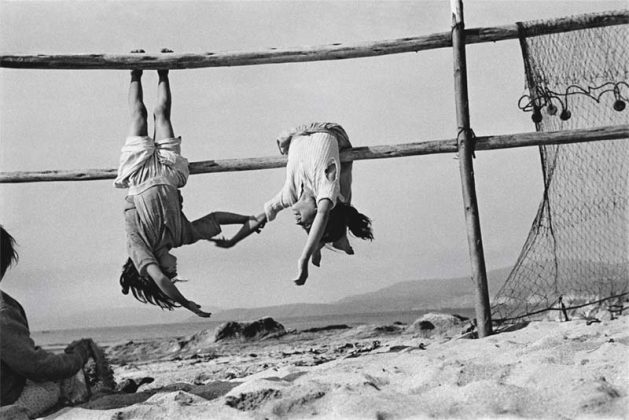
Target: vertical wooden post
[{"x": 465, "y": 140}]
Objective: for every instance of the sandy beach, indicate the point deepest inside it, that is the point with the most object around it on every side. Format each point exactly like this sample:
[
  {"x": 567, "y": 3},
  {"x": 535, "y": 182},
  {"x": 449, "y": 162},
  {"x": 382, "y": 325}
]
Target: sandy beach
[{"x": 428, "y": 369}]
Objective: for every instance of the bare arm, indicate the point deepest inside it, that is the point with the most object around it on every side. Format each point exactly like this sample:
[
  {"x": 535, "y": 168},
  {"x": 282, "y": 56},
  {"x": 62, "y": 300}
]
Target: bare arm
[
  {"x": 251, "y": 224},
  {"x": 286, "y": 197},
  {"x": 227, "y": 218},
  {"x": 314, "y": 238},
  {"x": 170, "y": 290}
]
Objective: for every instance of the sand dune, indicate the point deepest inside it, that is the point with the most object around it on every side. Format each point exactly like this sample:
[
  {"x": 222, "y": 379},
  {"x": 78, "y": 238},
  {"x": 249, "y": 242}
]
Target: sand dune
[{"x": 545, "y": 369}]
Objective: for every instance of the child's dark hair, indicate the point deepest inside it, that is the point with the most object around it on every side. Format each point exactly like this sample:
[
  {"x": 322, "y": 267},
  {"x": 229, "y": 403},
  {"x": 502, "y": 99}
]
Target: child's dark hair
[
  {"x": 144, "y": 288},
  {"x": 344, "y": 216},
  {"x": 8, "y": 254}
]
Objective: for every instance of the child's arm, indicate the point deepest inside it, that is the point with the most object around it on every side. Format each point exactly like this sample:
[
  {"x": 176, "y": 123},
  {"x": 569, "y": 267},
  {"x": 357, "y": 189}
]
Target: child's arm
[
  {"x": 252, "y": 224},
  {"x": 314, "y": 238},
  {"x": 170, "y": 290}
]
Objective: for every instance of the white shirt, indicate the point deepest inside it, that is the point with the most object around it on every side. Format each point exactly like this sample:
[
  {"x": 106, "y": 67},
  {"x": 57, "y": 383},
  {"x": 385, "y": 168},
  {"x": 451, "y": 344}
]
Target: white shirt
[
  {"x": 145, "y": 162},
  {"x": 309, "y": 157}
]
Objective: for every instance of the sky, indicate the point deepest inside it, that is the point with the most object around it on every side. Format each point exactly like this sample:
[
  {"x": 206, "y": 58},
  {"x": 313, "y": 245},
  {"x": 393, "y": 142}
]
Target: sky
[{"x": 71, "y": 234}]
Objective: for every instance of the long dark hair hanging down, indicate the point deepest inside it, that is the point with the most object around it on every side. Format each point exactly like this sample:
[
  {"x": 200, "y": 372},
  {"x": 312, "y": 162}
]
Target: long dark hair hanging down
[
  {"x": 143, "y": 288},
  {"x": 345, "y": 215}
]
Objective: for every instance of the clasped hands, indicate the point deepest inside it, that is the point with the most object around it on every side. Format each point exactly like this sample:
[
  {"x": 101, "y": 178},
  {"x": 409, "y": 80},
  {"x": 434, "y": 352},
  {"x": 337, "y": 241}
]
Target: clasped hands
[{"x": 254, "y": 224}]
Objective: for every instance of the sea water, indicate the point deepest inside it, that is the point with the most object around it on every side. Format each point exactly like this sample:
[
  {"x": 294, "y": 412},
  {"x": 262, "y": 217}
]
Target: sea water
[{"x": 56, "y": 340}]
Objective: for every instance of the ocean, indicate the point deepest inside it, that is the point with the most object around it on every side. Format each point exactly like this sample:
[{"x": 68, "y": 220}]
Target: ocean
[{"x": 56, "y": 340}]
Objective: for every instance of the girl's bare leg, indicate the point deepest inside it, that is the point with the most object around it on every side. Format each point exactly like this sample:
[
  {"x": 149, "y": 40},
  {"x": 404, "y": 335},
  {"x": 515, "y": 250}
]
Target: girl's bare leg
[
  {"x": 227, "y": 218},
  {"x": 163, "y": 126},
  {"x": 138, "y": 124}
]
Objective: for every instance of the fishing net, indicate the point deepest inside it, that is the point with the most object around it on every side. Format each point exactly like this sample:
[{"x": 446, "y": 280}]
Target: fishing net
[{"x": 577, "y": 251}]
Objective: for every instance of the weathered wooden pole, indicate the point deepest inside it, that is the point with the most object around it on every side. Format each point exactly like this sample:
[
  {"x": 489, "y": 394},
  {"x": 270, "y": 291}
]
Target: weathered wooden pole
[
  {"x": 336, "y": 51},
  {"x": 465, "y": 140},
  {"x": 505, "y": 141}
]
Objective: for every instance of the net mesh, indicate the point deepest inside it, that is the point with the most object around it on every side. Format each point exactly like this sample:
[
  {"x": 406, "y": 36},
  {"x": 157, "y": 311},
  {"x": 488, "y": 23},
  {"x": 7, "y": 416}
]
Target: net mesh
[{"x": 577, "y": 251}]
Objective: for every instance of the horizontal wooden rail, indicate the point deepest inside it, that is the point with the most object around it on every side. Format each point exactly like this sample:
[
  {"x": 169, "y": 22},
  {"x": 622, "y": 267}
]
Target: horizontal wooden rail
[
  {"x": 506, "y": 141},
  {"x": 336, "y": 51}
]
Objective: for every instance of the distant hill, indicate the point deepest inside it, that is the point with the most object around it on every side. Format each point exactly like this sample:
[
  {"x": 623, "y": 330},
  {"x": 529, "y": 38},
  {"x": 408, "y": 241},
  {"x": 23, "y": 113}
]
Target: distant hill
[
  {"x": 279, "y": 312},
  {"x": 111, "y": 317},
  {"x": 420, "y": 294},
  {"x": 403, "y": 296},
  {"x": 428, "y": 294}
]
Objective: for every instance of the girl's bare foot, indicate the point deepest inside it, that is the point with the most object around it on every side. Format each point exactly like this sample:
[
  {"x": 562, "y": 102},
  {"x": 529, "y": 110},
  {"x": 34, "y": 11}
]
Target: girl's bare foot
[
  {"x": 137, "y": 73},
  {"x": 164, "y": 72}
]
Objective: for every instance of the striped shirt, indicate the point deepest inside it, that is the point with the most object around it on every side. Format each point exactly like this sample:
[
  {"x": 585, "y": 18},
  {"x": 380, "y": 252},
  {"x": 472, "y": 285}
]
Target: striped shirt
[{"x": 309, "y": 156}]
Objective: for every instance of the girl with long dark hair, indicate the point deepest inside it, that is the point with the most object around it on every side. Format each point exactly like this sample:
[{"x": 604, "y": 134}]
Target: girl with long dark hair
[
  {"x": 153, "y": 170},
  {"x": 318, "y": 189}
]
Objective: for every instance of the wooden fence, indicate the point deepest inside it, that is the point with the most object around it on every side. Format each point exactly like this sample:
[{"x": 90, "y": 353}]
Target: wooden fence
[
  {"x": 465, "y": 144},
  {"x": 505, "y": 141}
]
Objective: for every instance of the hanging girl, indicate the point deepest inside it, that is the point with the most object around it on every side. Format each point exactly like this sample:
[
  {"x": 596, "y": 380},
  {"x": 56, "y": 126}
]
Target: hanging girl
[
  {"x": 318, "y": 189},
  {"x": 153, "y": 170}
]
